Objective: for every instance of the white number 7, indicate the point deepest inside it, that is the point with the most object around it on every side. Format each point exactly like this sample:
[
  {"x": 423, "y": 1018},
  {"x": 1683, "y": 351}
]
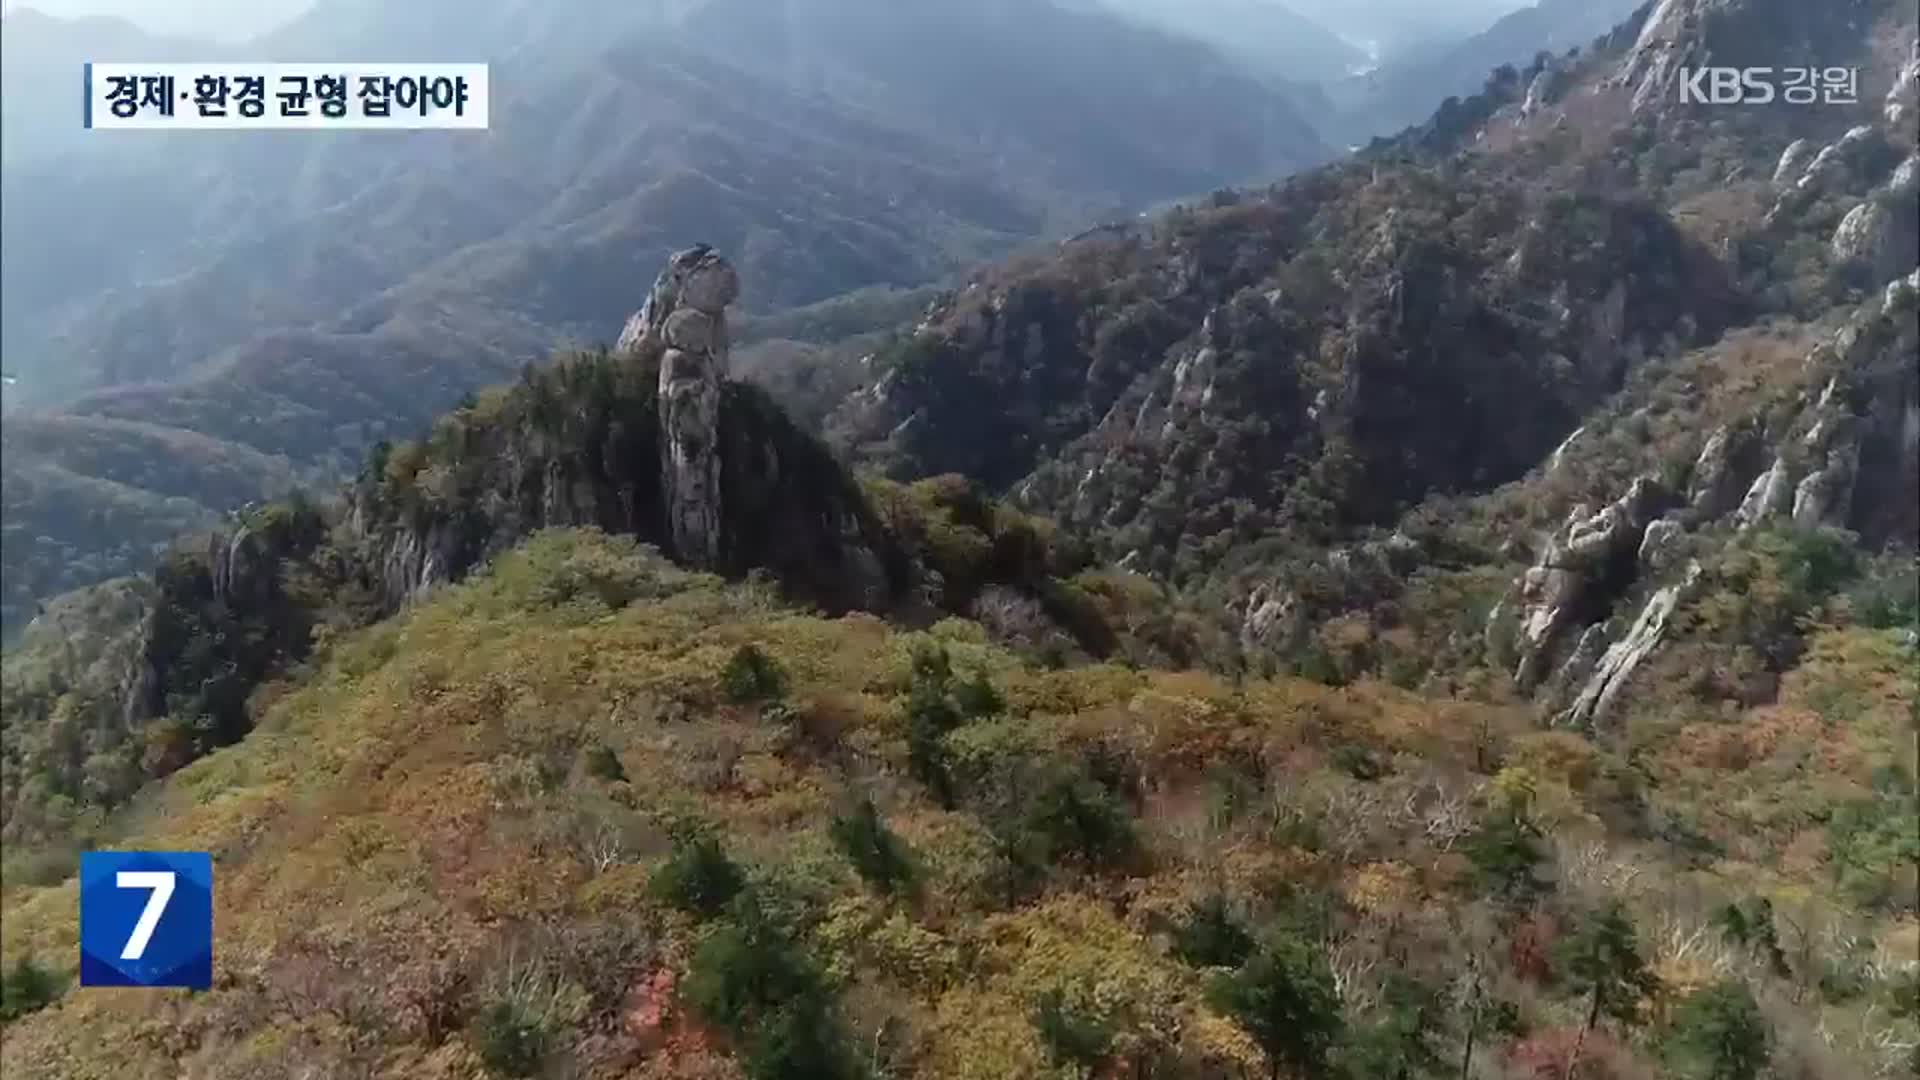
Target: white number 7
[{"x": 161, "y": 882}]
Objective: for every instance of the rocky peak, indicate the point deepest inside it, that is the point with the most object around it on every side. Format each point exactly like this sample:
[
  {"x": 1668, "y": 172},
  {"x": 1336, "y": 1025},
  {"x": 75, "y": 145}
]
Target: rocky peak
[
  {"x": 1547, "y": 87},
  {"x": 1681, "y": 34},
  {"x": 684, "y": 322},
  {"x": 1732, "y": 456},
  {"x": 699, "y": 281},
  {"x": 650, "y": 440},
  {"x": 1668, "y": 38},
  {"x": 1793, "y": 162}
]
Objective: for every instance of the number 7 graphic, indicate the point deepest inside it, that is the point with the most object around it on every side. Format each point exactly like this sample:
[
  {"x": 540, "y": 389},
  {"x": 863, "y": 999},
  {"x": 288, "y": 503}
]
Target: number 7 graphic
[
  {"x": 146, "y": 919},
  {"x": 161, "y": 882}
]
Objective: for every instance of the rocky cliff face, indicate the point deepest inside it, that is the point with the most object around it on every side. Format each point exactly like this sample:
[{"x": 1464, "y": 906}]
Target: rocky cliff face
[
  {"x": 1605, "y": 583},
  {"x": 1881, "y": 235},
  {"x": 1677, "y": 35},
  {"x": 1582, "y": 569},
  {"x": 1846, "y": 456},
  {"x": 652, "y": 441},
  {"x": 1833, "y": 445},
  {"x": 1326, "y": 354},
  {"x": 683, "y": 329}
]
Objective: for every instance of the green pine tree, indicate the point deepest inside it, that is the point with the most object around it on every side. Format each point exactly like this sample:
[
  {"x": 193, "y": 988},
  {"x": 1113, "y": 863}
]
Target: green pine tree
[
  {"x": 1718, "y": 1033},
  {"x": 875, "y": 852},
  {"x": 1601, "y": 959},
  {"x": 1285, "y": 998}
]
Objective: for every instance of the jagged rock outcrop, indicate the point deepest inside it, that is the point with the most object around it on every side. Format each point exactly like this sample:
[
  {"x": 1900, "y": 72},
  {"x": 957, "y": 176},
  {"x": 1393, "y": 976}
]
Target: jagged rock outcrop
[
  {"x": 652, "y": 441},
  {"x": 1579, "y": 574},
  {"x": 1657, "y": 546},
  {"x": 1856, "y": 463},
  {"x": 1676, "y": 36},
  {"x": 577, "y": 443},
  {"x": 1866, "y": 235},
  {"x": 1822, "y": 498},
  {"x": 1831, "y": 447},
  {"x": 1166, "y": 392},
  {"x": 1863, "y": 427},
  {"x": 1793, "y": 162},
  {"x": 1560, "y": 452},
  {"x": 1848, "y": 457},
  {"x": 1273, "y": 620},
  {"x": 684, "y": 321},
  {"x": 1726, "y": 465},
  {"x": 410, "y": 564},
  {"x": 1193, "y": 384},
  {"x": 1666, "y": 40},
  {"x": 1834, "y": 166},
  {"x": 1904, "y": 184},
  {"x": 1571, "y": 677},
  {"x": 1851, "y": 164},
  {"x": 1882, "y": 234},
  {"x": 1769, "y": 497},
  {"x": 1877, "y": 359},
  {"x": 1545, "y": 90},
  {"x": 229, "y": 563},
  {"x": 222, "y": 612},
  {"x": 1616, "y": 668},
  {"x": 1276, "y": 616}
]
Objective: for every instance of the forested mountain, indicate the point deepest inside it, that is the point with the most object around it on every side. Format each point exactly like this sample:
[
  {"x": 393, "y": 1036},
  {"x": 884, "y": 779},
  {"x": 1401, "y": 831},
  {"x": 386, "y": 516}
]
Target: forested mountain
[
  {"x": 1432, "y": 318},
  {"x": 1452, "y": 613},
  {"x": 298, "y": 297}
]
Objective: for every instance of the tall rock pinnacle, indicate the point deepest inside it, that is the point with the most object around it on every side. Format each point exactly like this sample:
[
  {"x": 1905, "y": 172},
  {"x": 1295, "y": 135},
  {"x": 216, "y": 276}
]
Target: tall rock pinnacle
[{"x": 684, "y": 322}]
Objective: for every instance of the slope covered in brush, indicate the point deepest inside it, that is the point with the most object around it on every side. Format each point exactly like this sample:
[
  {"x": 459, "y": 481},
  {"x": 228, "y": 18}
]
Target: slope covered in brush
[
  {"x": 95, "y": 708},
  {"x": 588, "y": 814}
]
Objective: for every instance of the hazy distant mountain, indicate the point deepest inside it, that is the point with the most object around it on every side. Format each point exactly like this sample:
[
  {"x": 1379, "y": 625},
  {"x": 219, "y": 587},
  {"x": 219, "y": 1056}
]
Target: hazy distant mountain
[
  {"x": 217, "y": 20},
  {"x": 300, "y": 296},
  {"x": 40, "y": 75},
  {"x": 1073, "y": 98},
  {"x": 1127, "y": 117},
  {"x": 1267, "y": 37},
  {"x": 1404, "y": 91},
  {"x": 1392, "y": 28}
]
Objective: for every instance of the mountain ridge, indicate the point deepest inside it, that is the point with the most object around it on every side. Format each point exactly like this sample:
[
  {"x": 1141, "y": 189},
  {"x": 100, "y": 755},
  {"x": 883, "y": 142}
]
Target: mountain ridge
[
  {"x": 428, "y": 266},
  {"x": 1577, "y": 745},
  {"x": 1283, "y": 406}
]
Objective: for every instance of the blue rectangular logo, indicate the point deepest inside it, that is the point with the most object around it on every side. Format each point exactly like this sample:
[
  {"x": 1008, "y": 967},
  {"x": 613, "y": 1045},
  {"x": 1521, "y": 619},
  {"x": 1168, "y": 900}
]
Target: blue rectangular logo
[{"x": 146, "y": 919}]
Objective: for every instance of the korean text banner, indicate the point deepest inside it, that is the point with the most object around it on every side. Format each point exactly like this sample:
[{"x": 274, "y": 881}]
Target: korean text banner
[{"x": 239, "y": 96}]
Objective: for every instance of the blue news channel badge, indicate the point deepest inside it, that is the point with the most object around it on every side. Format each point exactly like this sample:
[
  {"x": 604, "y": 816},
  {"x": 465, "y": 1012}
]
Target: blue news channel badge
[
  {"x": 283, "y": 97},
  {"x": 146, "y": 919}
]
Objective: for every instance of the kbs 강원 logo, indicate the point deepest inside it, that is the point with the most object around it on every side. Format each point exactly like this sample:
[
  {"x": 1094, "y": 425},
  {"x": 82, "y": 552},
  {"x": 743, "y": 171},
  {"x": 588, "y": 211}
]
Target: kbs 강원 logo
[
  {"x": 1765, "y": 85},
  {"x": 146, "y": 919}
]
